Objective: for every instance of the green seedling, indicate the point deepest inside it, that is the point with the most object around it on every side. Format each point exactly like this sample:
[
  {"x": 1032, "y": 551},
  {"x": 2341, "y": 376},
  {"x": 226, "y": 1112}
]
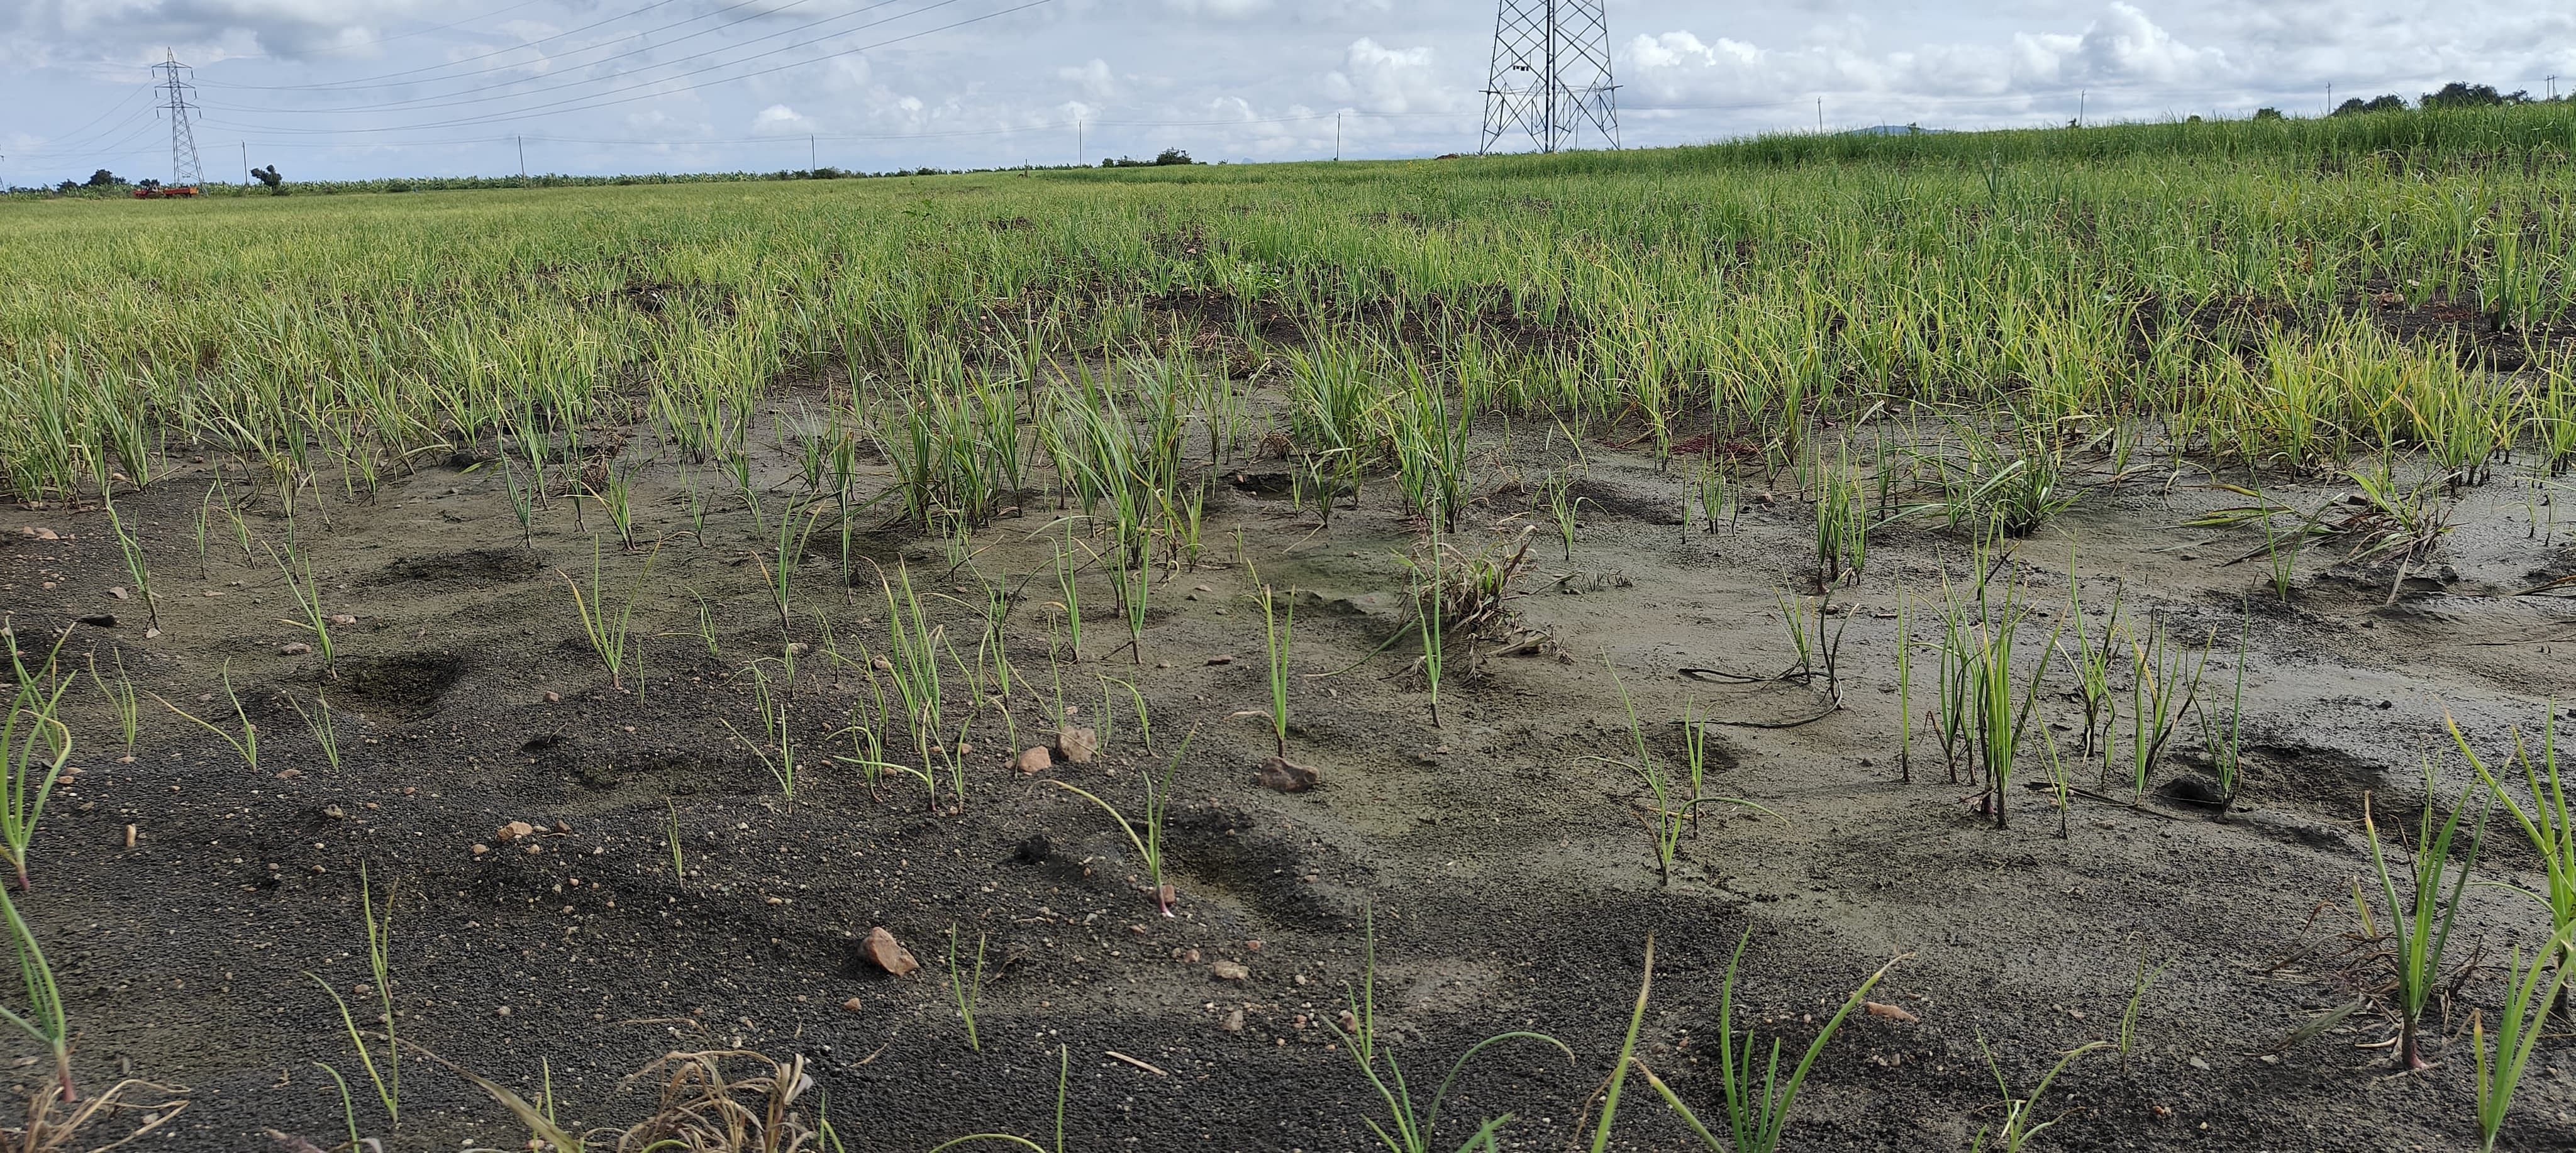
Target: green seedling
[
  {"x": 609, "y": 633},
  {"x": 2419, "y": 928},
  {"x": 2021, "y": 1124},
  {"x": 1759, "y": 1100},
  {"x": 1149, "y": 839},
  {"x": 1411, "y": 1125}
]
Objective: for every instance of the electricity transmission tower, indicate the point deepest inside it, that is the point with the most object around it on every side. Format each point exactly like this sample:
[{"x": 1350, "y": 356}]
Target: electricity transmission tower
[
  {"x": 1550, "y": 74},
  {"x": 184, "y": 170}
]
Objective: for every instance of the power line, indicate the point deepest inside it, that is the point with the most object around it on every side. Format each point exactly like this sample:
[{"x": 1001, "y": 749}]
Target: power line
[{"x": 381, "y": 80}]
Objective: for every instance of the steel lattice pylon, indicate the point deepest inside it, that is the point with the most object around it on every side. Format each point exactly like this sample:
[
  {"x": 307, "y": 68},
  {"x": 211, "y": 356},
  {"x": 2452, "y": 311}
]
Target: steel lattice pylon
[
  {"x": 184, "y": 169},
  {"x": 1551, "y": 74}
]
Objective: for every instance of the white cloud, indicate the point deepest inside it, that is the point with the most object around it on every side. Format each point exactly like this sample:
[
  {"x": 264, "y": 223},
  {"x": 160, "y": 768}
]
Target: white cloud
[
  {"x": 780, "y": 119},
  {"x": 1376, "y": 78},
  {"x": 1093, "y": 79}
]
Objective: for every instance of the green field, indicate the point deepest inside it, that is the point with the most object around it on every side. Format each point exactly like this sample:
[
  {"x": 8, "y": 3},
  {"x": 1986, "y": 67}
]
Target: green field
[{"x": 722, "y": 521}]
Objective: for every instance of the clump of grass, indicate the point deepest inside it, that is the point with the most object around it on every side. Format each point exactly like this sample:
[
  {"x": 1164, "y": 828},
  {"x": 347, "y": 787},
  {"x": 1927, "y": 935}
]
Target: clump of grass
[{"x": 2546, "y": 823}]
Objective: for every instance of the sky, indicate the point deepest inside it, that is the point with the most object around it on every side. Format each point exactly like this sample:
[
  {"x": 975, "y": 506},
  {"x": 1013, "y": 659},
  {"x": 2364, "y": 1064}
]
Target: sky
[{"x": 346, "y": 89}]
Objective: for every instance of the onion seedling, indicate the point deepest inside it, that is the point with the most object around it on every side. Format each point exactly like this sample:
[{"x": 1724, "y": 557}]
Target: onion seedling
[
  {"x": 136, "y": 568},
  {"x": 2420, "y": 925},
  {"x": 308, "y": 601},
  {"x": 45, "y": 1019},
  {"x": 1148, "y": 840},
  {"x": 34, "y": 746},
  {"x": 2546, "y": 823},
  {"x": 247, "y": 744},
  {"x": 608, "y": 634},
  {"x": 1278, "y": 626},
  {"x": 1411, "y": 1126},
  {"x": 2518, "y": 1029},
  {"x": 121, "y": 700},
  {"x": 1758, "y": 1100},
  {"x": 318, "y": 722},
  {"x": 969, "y": 991},
  {"x": 2021, "y": 1123}
]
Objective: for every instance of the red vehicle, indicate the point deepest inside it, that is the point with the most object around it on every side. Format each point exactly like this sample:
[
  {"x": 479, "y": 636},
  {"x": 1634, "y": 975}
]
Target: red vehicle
[{"x": 162, "y": 193}]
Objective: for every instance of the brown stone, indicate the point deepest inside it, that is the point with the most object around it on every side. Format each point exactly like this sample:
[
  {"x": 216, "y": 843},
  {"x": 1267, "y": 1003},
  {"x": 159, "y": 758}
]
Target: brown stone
[
  {"x": 1228, "y": 971},
  {"x": 1286, "y": 775},
  {"x": 1078, "y": 746},
  {"x": 886, "y": 954},
  {"x": 1035, "y": 760},
  {"x": 513, "y": 831}
]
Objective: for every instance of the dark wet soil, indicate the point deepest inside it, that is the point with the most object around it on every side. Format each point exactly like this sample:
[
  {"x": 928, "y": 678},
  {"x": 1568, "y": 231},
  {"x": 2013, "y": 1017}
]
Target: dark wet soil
[{"x": 1500, "y": 855}]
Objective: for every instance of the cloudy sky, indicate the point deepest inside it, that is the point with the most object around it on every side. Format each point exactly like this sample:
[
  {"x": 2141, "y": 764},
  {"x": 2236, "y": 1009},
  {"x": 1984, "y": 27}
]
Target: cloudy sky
[{"x": 354, "y": 88}]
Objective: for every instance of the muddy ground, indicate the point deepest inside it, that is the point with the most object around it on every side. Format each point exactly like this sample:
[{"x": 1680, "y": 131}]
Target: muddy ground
[{"x": 1510, "y": 878}]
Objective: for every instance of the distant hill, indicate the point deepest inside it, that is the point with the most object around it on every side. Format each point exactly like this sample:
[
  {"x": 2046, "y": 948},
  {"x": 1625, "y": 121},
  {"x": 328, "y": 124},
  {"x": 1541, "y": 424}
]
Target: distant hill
[{"x": 1896, "y": 130}]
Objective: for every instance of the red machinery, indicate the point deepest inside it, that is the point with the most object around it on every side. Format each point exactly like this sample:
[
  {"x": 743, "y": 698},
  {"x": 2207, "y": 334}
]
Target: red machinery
[{"x": 164, "y": 193}]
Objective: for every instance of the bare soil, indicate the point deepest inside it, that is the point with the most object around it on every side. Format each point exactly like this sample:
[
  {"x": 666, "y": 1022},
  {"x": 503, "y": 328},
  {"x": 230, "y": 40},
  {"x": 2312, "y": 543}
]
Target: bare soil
[{"x": 1501, "y": 855}]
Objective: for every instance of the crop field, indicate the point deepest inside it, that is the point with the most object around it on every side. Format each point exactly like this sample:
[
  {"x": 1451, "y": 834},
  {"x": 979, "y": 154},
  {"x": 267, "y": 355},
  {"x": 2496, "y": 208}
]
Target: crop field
[{"x": 1993, "y": 641}]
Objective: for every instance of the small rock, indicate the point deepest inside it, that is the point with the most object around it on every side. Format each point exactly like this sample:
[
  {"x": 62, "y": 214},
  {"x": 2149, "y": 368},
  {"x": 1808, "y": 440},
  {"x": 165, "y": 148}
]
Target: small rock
[
  {"x": 1891, "y": 1012},
  {"x": 1225, "y": 659},
  {"x": 503, "y": 1011},
  {"x": 851, "y": 1005},
  {"x": 1189, "y": 956},
  {"x": 564, "y": 827},
  {"x": 289, "y": 774},
  {"x": 2199, "y": 1064},
  {"x": 513, "y": 831},
  {"x": 335, "y": 812},
  {"x": 1228, "y": 971},
  {"x": 881, "y": 664},
  {"x": 481, "y": 849},
  {"x": 1233, "y": 1022},
  {"x": 1078, "y": 746},
  {"x": 887, "y": 954},
  {"x": 35, "y": 533},
  {"x": 293, "y": 649},
  {"x": 344, "y": 619},
  {"x": 1286, "y": 775},
  {"x": 1035, "y": 760},
  {"x": 550, "y": 696},
  {"x": 118, "y": 591}
]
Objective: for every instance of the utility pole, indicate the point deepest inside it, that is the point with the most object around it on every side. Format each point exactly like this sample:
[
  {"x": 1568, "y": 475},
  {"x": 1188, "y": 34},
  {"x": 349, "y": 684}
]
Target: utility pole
[
  {"x": 2079, "y": 107},
  {"x": 812, "y": 163},
  {"x": 1563, "y": 46},
  {"x": 245, "y": 147},
  {"x": 184, "y": 169},
  {"x": 1337, "y": 138},
  {"x": 2553, "y": 87},
  {"x": 523, "y": 157},
  {"x": 1077, "y": 142},
  {"x": 2330, "y": 98},
  {"x": 1820, "y": 116}
]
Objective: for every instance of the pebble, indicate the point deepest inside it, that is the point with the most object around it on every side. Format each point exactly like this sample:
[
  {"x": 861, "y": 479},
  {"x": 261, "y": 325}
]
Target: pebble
[
  {"x": 851, "y": 1005},
  {"x": 513, "y": 831},
  {"x": 1224, "y": 659},
  {"x": 1233, "y": 1022},
  {"x": 1228, "y": 971},
  {"x": 1079, "y": 746},
  {"x": 293, "y": 649},
  {"x": 887, "y": 954},
  {"x": 1035, "y": 760},
  {"x": 1286, "y": 775}
]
